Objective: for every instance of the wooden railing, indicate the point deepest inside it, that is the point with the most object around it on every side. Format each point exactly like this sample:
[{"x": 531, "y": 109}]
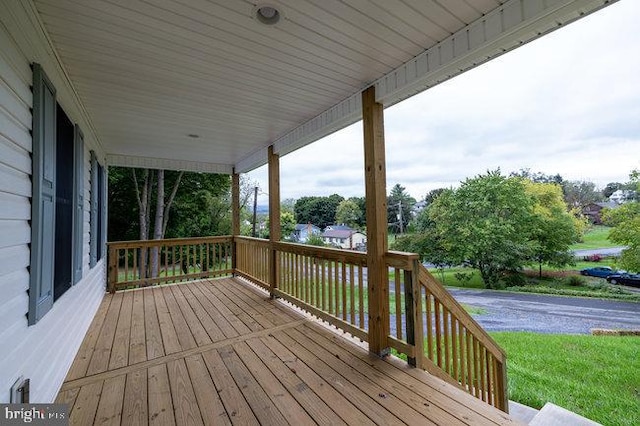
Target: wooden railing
[
  {"x": 435, "y": 333},
  {"x": 459, "y": 346},
  {"x": 328, "y": 283},
  {"x": 426, "y": 323},
  {"x": 252, "y": 260},
  {"x": 132, "y": 265}
]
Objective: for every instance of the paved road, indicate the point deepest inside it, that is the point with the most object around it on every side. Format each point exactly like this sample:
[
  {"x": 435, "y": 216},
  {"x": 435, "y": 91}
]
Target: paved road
[
  {"x": 609, "y": 251},
  {"x": 548, "y": 314}
]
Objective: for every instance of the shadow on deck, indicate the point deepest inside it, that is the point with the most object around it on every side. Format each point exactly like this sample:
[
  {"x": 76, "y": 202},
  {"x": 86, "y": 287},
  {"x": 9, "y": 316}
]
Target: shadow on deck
[{"x": 221, "y": 352}]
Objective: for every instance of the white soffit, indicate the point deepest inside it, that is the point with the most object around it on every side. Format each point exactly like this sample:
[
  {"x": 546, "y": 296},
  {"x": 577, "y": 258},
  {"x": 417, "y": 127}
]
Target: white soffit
[{"x": 507, "y": 27}]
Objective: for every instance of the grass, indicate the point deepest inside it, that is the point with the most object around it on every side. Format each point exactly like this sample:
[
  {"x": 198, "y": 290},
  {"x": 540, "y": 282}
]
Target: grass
[
  {"x": 596, "y": 237},
  {"x": 596, "y": 376}
]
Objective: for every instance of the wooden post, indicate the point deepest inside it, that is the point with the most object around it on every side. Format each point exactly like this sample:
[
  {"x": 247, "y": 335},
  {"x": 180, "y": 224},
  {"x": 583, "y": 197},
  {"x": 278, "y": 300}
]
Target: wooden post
[
  {"x": 501, "y": 392},
  {"x": 274, "y": 217},
  {"x": 413, "y": 312},
  {"x": 376, "y": 207},
  {"x": 235, "y": 218},
  {"x": 113, "y": 270}
]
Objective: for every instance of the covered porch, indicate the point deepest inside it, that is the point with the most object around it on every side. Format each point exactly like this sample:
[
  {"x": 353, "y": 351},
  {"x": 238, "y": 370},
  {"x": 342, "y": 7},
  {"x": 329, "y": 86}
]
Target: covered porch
[
  {"x": 221, "y": 351},
  {"x": 226, "y": 87}
]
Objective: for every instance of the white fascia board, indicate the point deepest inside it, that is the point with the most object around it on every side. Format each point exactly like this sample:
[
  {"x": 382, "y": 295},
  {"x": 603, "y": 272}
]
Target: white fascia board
[
  {"x": 508, "y": 26},
  {"x": 167, "y": 164},
  {"x": 505, "y": 28}
]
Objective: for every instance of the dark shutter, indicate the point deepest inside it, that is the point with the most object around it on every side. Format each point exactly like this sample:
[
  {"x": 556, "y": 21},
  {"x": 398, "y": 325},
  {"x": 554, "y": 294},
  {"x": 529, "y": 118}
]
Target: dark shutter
[
  {"x": 103, "y": 212},
  {"x": 94, "y": 211},
  {"x": 78, "y": 196},
  {"x": 43, "y": 196}
]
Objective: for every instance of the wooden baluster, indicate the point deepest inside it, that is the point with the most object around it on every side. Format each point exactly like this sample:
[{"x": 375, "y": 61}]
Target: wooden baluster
[
  {"x": 470, "y": 378},
  {"x": 488, "y": 376},
  {"x": 352, "y": 295},
  {"x": 437, "y": 309},
  {"x": 428, "y": 306},
  {"x": 361, "y": 295},
  {"x": 343, "y": 282},
  {"x": 398, "y": 307},
  {"x": 481, "y": 365},
  {"x": 136, "y": 253},
  {"x": 337, "y": 289},
  {"x": 463, "y": 356},
  {"x": 330, "y": 287},
  {"x": 454, "y": 348},
  {"x": 126, "y": 264},
  {"x": 323, "y": 287},
  {"x": 445, "y": 325}
]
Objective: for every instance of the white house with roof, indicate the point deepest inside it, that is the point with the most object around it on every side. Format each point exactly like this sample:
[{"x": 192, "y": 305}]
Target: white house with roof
[
  {"x": 303, "y": 231},
  {"x": 342, "y": 236}
]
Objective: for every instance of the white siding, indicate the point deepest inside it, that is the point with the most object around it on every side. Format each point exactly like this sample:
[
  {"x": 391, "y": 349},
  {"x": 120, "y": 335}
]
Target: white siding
[{"x": 43, "y": 352}]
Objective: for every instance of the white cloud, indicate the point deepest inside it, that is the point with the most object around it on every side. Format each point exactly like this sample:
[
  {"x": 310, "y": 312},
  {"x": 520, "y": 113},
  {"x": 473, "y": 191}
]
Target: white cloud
[{"x": 568, "y": 103}]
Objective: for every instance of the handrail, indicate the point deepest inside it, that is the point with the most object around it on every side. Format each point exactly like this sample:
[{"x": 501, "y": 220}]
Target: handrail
[
  {"x": 436, "y": 334},
  {"x": 252, "y": 259},
  {"x": 141, "y": 263}
]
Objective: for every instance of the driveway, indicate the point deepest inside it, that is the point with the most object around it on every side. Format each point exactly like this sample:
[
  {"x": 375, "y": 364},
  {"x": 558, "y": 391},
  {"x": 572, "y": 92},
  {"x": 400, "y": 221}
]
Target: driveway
[{"x": 548, "y": 314}]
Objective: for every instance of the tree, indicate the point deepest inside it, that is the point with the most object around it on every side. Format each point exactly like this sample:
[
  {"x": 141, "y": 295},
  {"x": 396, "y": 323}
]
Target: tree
[
  {"x": 538, "y": 177},
  {"x": 625, "y": 223},
  {"x": 578, "y": 194},
  {"x": 320, "y": 211},
  {"x": 399, "y": 207},
  {"x": 287, "y": 226},
  {"x": 433, "y": 194},
  {"x": 349, "y": 213},
  {"x": 485, "y": 223},
  {"x": 610, "y": 188},
  {"x": 553, "y": 228}
]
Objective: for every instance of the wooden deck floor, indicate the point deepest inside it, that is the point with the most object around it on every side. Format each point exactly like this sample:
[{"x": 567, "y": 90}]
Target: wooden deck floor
[{"x": 221, "y": 352}]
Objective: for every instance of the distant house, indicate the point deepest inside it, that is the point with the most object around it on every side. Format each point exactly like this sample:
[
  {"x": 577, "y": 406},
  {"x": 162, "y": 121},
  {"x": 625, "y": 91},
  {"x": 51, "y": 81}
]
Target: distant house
[
  {"x": 622, "y": 196},
  {"x": 342, "y": 236},
  {"x": 302, "y": 232},
  {"x": 593, "y": 211}
]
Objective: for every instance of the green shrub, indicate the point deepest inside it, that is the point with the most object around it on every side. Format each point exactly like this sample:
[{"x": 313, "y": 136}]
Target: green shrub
[
  {"x": 463, "y": 277},
  {"x": 575, "y": 281},
  {"x": 515, "y": 280}
]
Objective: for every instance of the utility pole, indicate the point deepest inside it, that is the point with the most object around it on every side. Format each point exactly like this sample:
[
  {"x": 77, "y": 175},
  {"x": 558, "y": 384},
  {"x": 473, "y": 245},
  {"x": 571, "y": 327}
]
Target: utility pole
[
  {"x": 400, "y": 219},
  {"x": 255, "y": 211}
]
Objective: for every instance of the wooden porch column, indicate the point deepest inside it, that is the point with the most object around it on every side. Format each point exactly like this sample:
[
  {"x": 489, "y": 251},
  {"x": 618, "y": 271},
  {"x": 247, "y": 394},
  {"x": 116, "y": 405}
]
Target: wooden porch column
[
  {"x": 274, "y": 217},
  {"x": 376, "y": 206},
  {"x": 235, "y": 217}
]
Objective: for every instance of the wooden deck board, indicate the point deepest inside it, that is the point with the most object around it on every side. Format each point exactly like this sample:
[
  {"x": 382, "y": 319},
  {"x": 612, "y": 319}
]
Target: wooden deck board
[{"x": 221, "y": 352}]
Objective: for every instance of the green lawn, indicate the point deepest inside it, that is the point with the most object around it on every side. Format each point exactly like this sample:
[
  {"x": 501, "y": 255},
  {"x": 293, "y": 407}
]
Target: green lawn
[
  {"x": 596, "y": 237},
  {"x": 596, "y": 376}
]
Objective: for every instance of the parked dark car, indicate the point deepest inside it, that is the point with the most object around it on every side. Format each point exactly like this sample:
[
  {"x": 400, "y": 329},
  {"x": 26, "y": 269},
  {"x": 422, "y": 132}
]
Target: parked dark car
[
  {"x": 632, "y": 280},
  {"x": 598, "y": 271}
]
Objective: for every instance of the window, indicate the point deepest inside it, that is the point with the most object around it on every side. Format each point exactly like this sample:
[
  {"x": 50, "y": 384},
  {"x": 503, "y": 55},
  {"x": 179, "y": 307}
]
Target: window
[{"x": 56, "y": 226}]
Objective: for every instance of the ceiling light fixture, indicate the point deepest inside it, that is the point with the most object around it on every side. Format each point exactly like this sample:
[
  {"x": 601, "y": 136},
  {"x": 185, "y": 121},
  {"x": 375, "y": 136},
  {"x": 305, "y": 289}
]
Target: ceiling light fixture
[
  {"x": 193, "y": 135},
  {"x": 267, "y": 14}
]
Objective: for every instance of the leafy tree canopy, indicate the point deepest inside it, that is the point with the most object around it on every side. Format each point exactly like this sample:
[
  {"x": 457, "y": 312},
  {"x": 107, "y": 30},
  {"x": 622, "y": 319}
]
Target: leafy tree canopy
[
  {"x": 349, "y": 213},
  {"x": 485, "y": 223},
  {"x": 399, "y": 207},
  {"x": 319, "y": 211},
  {"x": 625, "y": 222},
  {"x": 553, "y": 228}
]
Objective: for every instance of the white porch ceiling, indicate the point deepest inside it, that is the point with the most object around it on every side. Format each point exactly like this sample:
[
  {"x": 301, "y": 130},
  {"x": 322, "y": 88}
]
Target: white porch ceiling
[{"x": 151, "y": 73}]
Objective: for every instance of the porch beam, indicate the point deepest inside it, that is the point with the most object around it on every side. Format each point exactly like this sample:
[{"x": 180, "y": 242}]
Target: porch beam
[
  {"x": 274, "y": 216},
  {"x": 376, "y": 207}
]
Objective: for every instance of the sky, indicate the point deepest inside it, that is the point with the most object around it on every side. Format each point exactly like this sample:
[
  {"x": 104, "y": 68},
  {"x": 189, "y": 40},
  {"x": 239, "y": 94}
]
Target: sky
[{"x": 567, "y": 103}]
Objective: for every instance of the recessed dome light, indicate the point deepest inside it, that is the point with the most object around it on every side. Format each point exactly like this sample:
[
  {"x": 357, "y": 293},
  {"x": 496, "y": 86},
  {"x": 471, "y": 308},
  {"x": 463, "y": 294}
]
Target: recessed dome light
[
  {"x": 193, "y": 135},
  {"x": 267, "y": 14}
]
